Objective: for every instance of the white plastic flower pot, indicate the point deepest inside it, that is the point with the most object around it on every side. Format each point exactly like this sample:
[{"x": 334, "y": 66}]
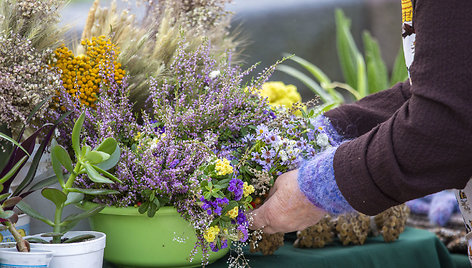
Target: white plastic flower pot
[
  {"x": 75, "y": 255},
  {"x": 22, "y": 225},
  {"x": 11, "y": 258}
]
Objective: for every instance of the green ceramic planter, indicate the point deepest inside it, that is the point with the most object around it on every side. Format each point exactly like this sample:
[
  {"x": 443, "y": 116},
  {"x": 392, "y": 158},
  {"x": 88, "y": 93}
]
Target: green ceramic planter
[{"x": 136, "y": 240}]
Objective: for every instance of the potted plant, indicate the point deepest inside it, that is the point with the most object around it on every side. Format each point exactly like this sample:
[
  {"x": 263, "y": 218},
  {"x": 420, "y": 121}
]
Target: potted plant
[
  {"x": 19, "y": 254},
  {"x": 15, "y": 156},
  {"x": 75, "y": 248},
  {"x": 179, "y": 117}
]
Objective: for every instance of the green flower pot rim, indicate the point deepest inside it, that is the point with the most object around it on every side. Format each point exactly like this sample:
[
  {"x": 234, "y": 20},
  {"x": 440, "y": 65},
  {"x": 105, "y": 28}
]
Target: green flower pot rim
[{"x": 129, "y": 211}]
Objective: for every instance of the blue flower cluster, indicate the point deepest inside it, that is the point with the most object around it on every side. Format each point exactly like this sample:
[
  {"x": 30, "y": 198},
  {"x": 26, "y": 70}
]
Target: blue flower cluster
[
  {"x": 236, "y": 187},
  {"x": 215, "y": 207},
  {"x": 214, "y": 247}
]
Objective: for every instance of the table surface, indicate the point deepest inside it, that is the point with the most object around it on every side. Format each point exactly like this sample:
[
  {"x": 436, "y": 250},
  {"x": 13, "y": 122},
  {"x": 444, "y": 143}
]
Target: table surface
[{"x": 414, "y": 248}]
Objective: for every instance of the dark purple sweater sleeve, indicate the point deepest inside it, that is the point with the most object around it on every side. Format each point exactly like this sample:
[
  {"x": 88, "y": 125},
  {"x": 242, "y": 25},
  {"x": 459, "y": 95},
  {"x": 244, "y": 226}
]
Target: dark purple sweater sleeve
[
  {"x": 353, "y": 120},
  {"x": 425, "y": 146}
]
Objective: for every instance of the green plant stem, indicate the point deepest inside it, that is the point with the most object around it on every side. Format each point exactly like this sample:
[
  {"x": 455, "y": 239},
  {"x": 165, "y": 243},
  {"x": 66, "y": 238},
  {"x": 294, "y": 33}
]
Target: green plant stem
[
  {"x": 57, "y": 223},
  {"x": 60, "y": 209},
  {"x": 72, "y": 177},
  {"x": 21, "y": 244}
]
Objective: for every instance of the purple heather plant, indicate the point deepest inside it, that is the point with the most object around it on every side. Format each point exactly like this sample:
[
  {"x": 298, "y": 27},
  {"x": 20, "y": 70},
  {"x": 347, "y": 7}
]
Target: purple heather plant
[
  {"x": 201, "y": 99},
  {"x": 202, "y": 112},
  {"x": 196, "y": 113}
]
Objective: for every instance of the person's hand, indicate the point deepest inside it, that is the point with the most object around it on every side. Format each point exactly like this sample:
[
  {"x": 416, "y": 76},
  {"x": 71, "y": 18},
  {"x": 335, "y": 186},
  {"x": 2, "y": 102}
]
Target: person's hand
[{"x": 287, "y": 209}]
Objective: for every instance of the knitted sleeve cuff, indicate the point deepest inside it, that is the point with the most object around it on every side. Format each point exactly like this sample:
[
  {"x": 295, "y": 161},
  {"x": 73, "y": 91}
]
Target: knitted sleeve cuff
[
  {"x": 316, "y": 180},
  {"x": 323, "y": 123}
]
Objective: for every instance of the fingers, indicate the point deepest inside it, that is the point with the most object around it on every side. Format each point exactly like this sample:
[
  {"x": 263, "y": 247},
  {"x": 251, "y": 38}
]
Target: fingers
[{"x": 259, "y": 220}]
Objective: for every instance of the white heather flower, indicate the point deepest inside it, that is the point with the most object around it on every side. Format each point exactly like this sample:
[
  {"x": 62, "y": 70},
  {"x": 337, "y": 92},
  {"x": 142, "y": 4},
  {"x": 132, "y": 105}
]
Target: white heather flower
[
  {"x": 322, "y": 140},
  {"x": 214, "y": 74}
]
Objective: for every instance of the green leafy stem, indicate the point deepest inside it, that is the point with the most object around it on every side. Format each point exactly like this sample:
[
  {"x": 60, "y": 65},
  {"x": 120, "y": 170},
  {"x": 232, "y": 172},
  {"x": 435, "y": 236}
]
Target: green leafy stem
[{"x": 92, "y": 162}]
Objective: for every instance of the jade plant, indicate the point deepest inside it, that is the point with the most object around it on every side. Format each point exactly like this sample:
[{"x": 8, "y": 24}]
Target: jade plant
[
  {"x": 13, "y": 157},
  {"x": 93, "y": 163}
]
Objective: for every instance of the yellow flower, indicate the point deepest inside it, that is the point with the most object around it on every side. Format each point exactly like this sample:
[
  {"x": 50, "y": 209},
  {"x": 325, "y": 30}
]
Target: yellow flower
[
  {"x": 81, "y": 75},
  {"x": 223, "y": 167},
  {"x": 136, "y": 138},
  {"x": 247, "y": 189},
  {"x": 211, "y": 233},
  {"x": 233, "y": 213},
  {"x": 280, "y": 94}
]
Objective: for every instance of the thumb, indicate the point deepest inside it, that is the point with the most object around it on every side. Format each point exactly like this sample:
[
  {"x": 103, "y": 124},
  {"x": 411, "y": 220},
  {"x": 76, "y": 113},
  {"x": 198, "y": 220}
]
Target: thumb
[
  {"x": 259, "y": 216},
  {"x": 272, "y": 190}
]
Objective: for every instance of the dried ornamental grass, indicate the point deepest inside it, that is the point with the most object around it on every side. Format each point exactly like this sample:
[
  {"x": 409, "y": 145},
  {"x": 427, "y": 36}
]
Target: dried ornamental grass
[{"x": 148, "y": 46}]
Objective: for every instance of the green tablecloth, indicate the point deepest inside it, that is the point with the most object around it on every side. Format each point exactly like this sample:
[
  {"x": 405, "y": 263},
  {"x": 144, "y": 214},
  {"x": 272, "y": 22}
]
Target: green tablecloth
[{"x": 415, "y": 248}]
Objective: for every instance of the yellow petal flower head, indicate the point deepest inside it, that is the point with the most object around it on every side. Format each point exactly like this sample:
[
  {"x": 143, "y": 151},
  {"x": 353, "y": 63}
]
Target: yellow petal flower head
[
  {"x": 280, "y": 94},
  {"x": 233, "y": 213},
  {"x": 211, "y": 233},
  {"x": 82, "y": 75},
  {"x": 247, "y": 189},
  {"x": 223, "y": 167}
]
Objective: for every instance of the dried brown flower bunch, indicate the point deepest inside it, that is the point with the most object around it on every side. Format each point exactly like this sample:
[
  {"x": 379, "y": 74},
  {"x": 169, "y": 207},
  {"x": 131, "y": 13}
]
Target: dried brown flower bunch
[
  {"x": 391, "y": 222},
  {"x": 267, "y": 244},
  {"x": 316, "y": 236},
  {"x": 353, "y": 228}
]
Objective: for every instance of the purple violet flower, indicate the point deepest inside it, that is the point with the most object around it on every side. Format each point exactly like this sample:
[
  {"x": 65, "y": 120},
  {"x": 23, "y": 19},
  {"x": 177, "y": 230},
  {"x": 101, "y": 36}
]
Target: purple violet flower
[
  {"x": 214, "y": 247},
  {"x": 236, "y": 187},
  {"x": 241, "y": 218},
  {"x": 242, "y": 234}
]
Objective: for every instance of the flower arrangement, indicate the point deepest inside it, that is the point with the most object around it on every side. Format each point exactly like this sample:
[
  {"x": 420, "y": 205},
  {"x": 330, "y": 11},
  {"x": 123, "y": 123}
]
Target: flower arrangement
[
  {"x": 191, "y": 133},
  {"x": 229, "y": 190},
  {"x": 203, "y": 143}
]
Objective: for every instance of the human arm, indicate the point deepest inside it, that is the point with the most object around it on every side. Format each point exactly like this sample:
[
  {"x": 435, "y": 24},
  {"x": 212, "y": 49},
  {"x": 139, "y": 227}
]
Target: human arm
[
  {"x": 425, "y": 146},
  {"x": 355, "y": 119}
]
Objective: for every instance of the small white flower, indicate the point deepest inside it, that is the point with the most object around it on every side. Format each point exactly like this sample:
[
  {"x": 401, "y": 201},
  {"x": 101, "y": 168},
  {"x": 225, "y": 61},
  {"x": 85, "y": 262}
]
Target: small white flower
[
  {"x": 283, "y": 155},
  {"x": 154, "y": 143},
  {"x": 322, "y": 140},
  {"x": 214, "y": 74}
]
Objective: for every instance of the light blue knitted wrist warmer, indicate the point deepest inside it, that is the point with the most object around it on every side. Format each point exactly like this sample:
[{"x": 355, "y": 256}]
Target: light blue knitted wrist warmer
[{"x": 316, "y": 180}]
